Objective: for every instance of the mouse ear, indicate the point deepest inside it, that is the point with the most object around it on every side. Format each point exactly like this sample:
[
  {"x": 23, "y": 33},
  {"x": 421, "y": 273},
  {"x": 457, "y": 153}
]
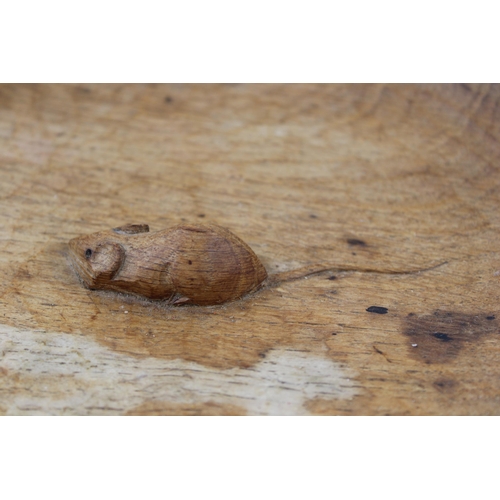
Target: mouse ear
[
  {"x": 132, "y": 229},
  {"x": 106, "y": 260}
]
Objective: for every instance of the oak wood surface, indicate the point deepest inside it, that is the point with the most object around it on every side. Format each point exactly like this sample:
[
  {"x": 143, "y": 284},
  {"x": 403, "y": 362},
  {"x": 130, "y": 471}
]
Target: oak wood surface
[{"x": 390, "y": 192}]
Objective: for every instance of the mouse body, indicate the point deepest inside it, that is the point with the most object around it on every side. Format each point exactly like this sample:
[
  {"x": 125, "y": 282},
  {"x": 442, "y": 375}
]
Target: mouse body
[{"x": 200, "y": 264}]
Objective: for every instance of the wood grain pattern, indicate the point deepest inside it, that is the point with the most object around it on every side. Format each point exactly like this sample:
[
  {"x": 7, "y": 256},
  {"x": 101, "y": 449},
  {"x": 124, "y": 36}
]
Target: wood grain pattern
[{"x": 392, "y": 189}]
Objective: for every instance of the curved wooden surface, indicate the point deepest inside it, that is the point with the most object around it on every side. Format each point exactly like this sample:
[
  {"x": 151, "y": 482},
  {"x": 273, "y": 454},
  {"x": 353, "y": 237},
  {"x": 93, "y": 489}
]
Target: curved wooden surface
[{"x": 394, "y": 190}]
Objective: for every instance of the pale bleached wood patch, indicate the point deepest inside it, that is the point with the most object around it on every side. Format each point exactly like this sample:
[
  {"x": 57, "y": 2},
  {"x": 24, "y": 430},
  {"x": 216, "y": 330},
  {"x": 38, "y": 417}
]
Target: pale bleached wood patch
[{"x": 58, "y": 373}]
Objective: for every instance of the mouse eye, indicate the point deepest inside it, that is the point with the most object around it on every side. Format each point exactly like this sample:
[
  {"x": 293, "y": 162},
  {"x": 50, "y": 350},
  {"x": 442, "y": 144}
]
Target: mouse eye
[{"x": 88, "y": 253}]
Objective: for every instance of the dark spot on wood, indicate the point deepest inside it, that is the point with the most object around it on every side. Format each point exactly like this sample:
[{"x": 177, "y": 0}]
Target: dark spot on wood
[
  {"x": 354, "y": 253},
  {"x": 411, "y": 314},
  {"x": 331, "y": 278},
  {"x": 334, "y": 333},
  {"x": 353, "y": 242},
  {"x": 201, "y": 215},
  {"x": 378, "y": 310},
  {"x": 262, "y": 354},
  {"x": 168, "y": 99},
  {"x": 313, "y": 216},
  {"x": 190, "y": 262},
  {"x": 88, "y": 253},
  {"x": 466, "y": 86},
  {"x": 489, "y": 318},
  {"x": 83, "y": 90},
  {"x": 444, "y": 384},
  {"x": 441, "y": 335}
]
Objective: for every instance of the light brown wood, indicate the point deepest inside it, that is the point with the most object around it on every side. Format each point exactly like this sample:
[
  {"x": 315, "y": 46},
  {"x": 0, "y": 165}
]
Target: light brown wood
[{"x": 388, "y": 195}]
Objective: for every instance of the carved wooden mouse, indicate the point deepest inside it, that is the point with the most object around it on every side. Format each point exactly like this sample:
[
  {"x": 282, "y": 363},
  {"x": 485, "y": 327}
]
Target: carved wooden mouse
[{"x": 199, "y": 264}]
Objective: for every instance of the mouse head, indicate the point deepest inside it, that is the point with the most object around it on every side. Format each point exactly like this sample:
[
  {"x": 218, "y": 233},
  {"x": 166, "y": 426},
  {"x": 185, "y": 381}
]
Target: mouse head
[{"x": 97, "y": 258}]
